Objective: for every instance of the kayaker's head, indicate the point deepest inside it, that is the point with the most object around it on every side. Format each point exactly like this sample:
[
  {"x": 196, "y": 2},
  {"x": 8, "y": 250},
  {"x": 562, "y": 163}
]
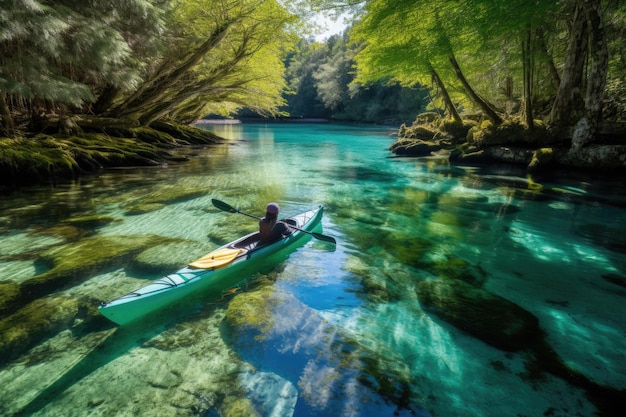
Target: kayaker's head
[{"x": 271, "y": 212}]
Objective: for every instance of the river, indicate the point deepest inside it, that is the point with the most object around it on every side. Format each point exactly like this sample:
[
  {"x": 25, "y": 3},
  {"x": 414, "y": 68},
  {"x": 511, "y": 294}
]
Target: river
[{"x": 328, "y": 330}]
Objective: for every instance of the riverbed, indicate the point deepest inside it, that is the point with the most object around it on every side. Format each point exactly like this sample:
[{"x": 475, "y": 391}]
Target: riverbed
[{"x": 327, "y": 330}]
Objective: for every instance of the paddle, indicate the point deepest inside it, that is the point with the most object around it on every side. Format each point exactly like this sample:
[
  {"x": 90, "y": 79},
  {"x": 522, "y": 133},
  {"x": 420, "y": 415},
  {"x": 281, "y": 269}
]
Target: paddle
[{"x": 227, "y": 207}]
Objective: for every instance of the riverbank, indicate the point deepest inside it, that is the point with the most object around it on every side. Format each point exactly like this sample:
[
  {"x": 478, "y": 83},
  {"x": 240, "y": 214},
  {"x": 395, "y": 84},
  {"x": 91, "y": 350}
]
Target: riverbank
[
  {"x": 67, "y": 150},
  {"x": 476, "y": 142}
]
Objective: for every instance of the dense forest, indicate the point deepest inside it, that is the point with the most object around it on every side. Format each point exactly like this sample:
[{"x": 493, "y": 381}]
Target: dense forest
[
  {"x": 549, "y": 78},
  {"x": 321, "y": 84}
]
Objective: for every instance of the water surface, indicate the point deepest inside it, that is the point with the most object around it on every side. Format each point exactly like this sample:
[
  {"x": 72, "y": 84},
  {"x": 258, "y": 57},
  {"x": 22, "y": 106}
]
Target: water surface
[{"x": 322, "y": 331}]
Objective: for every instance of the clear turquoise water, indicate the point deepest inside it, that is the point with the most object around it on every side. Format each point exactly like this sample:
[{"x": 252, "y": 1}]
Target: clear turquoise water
[{"x": 326, "y": 331}]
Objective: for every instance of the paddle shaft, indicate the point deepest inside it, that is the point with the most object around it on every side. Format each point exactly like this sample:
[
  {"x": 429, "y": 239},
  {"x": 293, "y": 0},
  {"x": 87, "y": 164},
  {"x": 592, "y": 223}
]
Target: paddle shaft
[{"x": 227, "y": 207}]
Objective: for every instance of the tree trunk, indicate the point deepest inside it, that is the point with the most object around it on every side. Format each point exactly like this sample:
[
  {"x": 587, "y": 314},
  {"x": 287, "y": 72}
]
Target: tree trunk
[
  {"x": 555, "y": 78},
  {"x": 479, "y": 101},
  {"x": 106, "y": 98},
  {"x": 449, "y": 105},
  {"x": 528, "y": 78},
  {"x": 587, "y": 129},
  {"x": 157, "y": 89},
  {"x": 7, "y": 120},
  {"x": 568, "y": 105}
]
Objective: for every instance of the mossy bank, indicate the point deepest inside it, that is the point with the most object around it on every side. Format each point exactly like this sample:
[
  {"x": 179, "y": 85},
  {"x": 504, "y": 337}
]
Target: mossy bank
[{"x": 71, "y": 148}]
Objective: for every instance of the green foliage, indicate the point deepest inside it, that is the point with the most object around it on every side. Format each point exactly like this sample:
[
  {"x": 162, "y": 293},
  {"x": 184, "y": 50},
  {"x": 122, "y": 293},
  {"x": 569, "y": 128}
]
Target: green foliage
[
  {"x": 65, "y": 51},
  {"x": 405, "y": 40},
  {"x": 321, "y": 77},
  {"x": 141, "y": 59}
]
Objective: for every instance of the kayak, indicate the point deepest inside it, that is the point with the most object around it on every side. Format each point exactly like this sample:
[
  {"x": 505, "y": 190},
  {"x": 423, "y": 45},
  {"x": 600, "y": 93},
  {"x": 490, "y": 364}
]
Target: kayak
[{"x": 209, "y": 271}]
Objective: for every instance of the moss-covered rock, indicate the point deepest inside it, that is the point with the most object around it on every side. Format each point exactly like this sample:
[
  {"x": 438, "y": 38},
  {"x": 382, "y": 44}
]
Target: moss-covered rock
[
  {"x": 78, "y": 261},
  {"x": 415, "y": 147},
  {"x": 542, "y": 157},
  {"x": 458, "y": 269},
  {"x": 170, "y": 256},
  {"x": 92, "y": 221},
  {"x": 143, "y": 208},
  {"x": 486, "y": 316},
  {"x": 42, "y": 318},
  {"x": 65, "y": 231},
  {"x": 253, "y": 309},
  {"x": 9, "y": 296}
]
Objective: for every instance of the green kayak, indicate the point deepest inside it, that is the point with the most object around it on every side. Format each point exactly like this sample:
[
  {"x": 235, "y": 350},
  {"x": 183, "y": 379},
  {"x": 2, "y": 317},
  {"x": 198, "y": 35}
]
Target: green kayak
[{"x": 208, "y": 272}]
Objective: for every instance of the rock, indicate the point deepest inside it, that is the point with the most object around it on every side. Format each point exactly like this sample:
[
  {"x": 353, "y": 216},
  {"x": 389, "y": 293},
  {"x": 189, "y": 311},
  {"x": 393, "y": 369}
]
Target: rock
[
  {"x": 510, "y": 154},
  {"x": 541, "y": 158},
  {"x": 78, "y": 261},
  {"x": 40, "y": 319},
  {"x": 414, "y": 147},
  {"x": 252, "y": 310},
  {"x": 616, "y": 279},
  {"x": 90, "y": 221},
  {"x": 9, "y": 296},
  {"x": 168, "y": 257},
  {"x": 486, "y": 316}
]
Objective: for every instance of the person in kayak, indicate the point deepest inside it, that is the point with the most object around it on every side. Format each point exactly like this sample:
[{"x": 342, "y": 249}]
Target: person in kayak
[{"x": 270, "y": 228}]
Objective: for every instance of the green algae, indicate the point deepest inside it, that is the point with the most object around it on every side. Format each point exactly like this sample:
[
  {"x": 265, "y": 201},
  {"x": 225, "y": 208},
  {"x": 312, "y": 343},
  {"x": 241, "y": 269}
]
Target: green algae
[
  {"x": 92, "y": 221},
  {"x": 237, "y": 406},
  {"x": 143, "y": 208},
  {"x": 78, "y": 261},
  {"x": 9, "y": 296},
  {"x": 66, "y": 232},
  {"x": 42, "y": 318},
  {"x": 169, "y": 256},
  {"x": 456, "y": 268},
  {"x": 253, "y": 309}
]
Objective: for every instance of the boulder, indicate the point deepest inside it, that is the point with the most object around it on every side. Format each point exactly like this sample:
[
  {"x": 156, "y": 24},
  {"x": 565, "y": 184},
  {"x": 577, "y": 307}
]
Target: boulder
[{"x": 486, "y": 316}]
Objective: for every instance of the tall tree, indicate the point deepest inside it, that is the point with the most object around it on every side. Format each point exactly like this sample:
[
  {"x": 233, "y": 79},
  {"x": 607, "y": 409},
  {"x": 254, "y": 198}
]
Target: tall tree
[
  {"x": 213, "y": 56},
  {"x": 407, "y": 39}
]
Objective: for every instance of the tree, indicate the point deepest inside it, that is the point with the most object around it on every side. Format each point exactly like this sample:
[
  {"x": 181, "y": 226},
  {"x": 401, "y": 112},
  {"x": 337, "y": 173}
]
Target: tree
[
  {"x": 213, "y": 56},
  {"x": 61, "y": 55},
  {"x": 141, "y": 59},
  {"x": 411, "y": 40},
  {"x": 321, "y": 76}
]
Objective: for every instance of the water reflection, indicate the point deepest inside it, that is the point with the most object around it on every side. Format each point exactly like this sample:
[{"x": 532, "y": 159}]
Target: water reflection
[{"x": 319, "y": 332}]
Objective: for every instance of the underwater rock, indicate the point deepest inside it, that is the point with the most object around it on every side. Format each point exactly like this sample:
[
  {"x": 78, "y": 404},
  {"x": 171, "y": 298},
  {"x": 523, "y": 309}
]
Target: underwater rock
[
  {"x": 457, "y": 268},
  {"x": 78, "y": 261},
  {"x": 40, "y": 319},
  {"x": 90, "y": 222},
  {"x": 271, "y": 394},
  {"x": 486, "y": 316},
  {"x": 162, "y": 259},
  {"x": 616, "y": 279},
  {"x": 144, "y": 208},
  {"x": 66, "y": 232},
  {"x": 252, "y": 309},
  {"x": 9, "y": 296}
]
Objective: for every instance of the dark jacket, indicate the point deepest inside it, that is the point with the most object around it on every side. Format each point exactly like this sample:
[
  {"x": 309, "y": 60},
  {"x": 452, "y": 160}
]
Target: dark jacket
[{"x": 272, "y": 230}]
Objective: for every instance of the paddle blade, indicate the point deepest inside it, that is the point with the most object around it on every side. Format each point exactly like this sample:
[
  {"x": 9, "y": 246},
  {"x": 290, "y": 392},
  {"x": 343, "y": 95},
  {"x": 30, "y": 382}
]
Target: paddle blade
[
  {"x": 223, "y": 206},
  {"x": 216, "y": 259},
  {"x": 325, "y": 238}
]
